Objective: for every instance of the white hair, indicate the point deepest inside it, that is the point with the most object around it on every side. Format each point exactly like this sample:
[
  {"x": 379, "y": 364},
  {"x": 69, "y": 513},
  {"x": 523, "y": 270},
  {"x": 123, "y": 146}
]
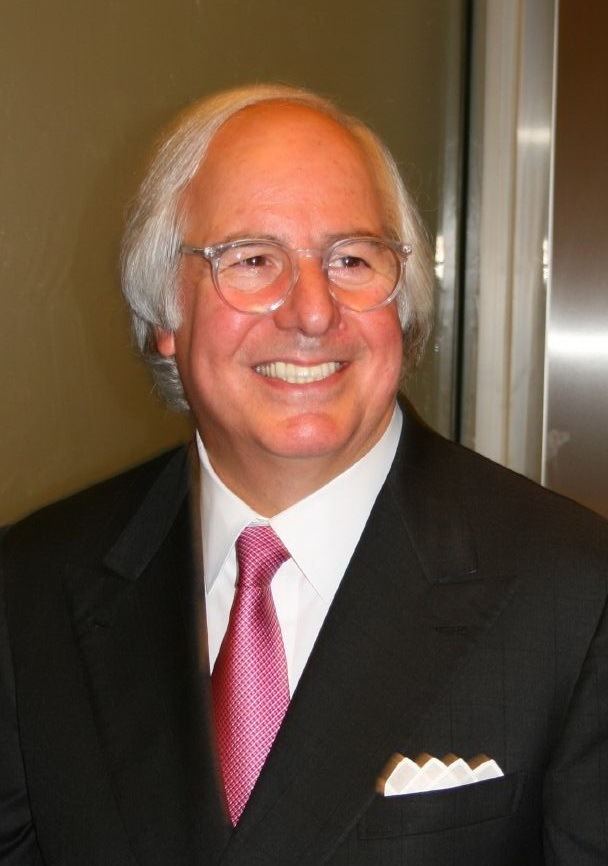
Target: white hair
[{"x": 153, "y": 235}]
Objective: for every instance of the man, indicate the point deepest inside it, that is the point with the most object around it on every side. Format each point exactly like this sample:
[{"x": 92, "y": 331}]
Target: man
[{"x": 395, "y": 593}]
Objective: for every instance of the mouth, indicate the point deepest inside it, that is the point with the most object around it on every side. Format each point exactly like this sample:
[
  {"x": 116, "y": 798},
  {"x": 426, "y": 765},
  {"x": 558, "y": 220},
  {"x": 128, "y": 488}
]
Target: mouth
[{"x": 296, "y": 374}]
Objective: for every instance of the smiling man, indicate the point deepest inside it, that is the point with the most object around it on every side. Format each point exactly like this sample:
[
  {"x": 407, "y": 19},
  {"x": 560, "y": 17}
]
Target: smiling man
[
  {"x": 214, "y": 659},
  {"x": 288, "y": 397}
]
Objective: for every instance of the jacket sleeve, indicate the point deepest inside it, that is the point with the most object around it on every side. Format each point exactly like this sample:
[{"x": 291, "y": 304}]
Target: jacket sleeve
[
  {"x": 576, "y": 784},
  {"x": 18, "y": 845}
]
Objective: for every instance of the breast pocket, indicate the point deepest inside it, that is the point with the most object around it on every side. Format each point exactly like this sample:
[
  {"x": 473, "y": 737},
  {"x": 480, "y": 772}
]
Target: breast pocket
[{"x": 434, "y": 811}]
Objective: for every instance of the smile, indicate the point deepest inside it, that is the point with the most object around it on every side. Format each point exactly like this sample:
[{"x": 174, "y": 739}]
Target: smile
[{"x": 295, "y": 374}]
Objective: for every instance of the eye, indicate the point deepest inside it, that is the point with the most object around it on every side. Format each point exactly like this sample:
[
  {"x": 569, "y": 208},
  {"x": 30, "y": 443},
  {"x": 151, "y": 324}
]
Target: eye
[
  {"x": 250, "y": 267},
  {"x": 257, "y": 261},
  {"x": 348, "y": 263},
  {"x": 363, "y": 263},
  {"x": 348, "y": 268},
  {"x": 250, "y": 258}
]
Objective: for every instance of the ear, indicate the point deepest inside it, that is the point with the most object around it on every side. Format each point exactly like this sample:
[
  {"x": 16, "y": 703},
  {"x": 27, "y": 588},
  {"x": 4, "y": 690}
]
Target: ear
[{"x": 165, "y": 342}]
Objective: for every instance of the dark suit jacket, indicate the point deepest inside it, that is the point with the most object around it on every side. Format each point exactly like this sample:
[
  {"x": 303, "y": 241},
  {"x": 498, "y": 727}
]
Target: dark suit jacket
[{"x": 471, "y": 619}]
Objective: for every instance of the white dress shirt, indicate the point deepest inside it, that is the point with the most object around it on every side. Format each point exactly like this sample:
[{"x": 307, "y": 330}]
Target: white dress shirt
[{"x": 320, "y": 532}]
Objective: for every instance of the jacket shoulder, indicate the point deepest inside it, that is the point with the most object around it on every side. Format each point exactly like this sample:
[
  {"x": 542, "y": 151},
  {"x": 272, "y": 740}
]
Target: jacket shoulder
[
  {"x": 506, "y": 512},
  {"x": 90, "y": 519}
]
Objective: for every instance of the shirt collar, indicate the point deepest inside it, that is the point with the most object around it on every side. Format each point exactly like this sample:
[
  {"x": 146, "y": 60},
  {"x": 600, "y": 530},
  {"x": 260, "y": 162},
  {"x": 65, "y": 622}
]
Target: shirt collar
[{"x": 320, "y": 531}]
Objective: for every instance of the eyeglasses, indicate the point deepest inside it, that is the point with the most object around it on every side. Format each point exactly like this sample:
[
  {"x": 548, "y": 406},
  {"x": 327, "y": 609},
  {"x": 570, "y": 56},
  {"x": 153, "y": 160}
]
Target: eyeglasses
[{"x": 256, "y": 276}]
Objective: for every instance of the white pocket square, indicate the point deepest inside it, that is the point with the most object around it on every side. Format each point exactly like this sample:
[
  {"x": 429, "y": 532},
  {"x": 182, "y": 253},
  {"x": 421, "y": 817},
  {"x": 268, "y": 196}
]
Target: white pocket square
[{"x": 426, "y": 773}]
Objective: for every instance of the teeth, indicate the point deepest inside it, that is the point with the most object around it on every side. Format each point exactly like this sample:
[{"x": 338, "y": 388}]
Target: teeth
[{"x": 297, "y": 375}]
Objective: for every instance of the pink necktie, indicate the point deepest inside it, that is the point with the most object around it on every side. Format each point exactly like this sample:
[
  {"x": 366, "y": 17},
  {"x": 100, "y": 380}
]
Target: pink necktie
[{"x": 250, "y": 685}]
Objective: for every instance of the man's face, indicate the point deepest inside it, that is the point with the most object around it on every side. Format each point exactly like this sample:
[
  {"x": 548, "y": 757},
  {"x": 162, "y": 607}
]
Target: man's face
[{"x": 286, "y": 172}]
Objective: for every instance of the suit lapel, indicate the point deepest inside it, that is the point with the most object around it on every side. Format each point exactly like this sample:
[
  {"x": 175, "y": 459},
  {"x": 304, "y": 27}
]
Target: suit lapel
[
  {"x": 410, "y": 607},
  {"x": 143, "y": 642}
]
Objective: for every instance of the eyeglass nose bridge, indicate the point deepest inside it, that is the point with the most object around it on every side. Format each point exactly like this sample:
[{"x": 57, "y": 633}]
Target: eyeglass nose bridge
[
  {"x": 295, "y": 254},
  {"x": 308, "y": 252}
]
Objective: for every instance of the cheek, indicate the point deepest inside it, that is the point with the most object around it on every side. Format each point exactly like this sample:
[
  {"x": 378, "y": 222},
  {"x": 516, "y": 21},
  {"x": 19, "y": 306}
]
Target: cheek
[
  {"x": 211, "y": 340},
  {"x": 385, "y": 342}
]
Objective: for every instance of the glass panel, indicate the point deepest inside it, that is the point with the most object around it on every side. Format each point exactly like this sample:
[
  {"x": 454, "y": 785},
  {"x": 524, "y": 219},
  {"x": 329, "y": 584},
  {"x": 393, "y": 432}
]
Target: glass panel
[{"x": 507, "y": 232}]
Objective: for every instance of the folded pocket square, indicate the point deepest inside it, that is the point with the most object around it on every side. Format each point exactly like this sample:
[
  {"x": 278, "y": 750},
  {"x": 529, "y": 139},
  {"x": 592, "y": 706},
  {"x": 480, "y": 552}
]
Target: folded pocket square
[{"x": 425, "y": 773}]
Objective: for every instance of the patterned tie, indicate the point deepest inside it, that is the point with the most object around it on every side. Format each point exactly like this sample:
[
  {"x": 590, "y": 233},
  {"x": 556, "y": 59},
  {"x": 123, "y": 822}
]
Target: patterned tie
[{"x": 250, "y": 685}]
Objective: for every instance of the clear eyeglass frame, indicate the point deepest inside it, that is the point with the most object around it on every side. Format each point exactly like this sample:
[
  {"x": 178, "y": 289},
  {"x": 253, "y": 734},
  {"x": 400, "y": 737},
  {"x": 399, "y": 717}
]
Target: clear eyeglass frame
[{"x": 213, "y": 255}]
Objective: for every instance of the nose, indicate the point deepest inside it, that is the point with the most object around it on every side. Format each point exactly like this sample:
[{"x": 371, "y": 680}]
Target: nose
[{"x": 309, "y": 307}]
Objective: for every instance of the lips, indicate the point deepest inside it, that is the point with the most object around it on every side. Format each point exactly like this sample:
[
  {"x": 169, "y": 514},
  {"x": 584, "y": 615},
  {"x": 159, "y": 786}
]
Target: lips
[{"x": 298, "y": 374}]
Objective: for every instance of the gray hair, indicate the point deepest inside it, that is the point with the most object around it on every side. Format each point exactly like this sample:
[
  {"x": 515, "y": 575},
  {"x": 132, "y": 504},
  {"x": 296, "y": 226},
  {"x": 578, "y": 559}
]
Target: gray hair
[{"x": 153, "y": 235}]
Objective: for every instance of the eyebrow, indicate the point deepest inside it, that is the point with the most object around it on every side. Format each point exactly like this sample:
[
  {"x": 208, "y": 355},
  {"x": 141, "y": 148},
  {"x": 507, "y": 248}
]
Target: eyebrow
[{"x": 326, "y": 240}]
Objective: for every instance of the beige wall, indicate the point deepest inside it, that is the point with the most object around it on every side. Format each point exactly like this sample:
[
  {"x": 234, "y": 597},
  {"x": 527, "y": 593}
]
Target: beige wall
[{"x": 83, "y": 87}]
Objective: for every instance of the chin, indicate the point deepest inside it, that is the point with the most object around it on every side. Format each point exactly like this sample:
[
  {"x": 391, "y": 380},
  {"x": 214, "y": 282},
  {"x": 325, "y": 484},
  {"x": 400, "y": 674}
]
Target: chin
[{"x": 308, "y": 437}]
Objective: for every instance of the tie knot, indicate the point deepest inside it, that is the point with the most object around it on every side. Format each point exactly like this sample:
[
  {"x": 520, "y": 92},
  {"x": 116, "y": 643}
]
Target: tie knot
[{"x": 260, "y": 553}]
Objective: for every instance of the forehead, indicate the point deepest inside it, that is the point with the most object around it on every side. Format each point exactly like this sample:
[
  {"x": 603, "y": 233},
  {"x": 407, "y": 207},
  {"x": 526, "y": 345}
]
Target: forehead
[{"x": 277, "y": 157}]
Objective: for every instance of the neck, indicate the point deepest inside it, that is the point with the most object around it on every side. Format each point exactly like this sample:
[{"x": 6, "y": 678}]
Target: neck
[
  {"x": 271, "y": 488},
  {"x": 271, "y": 480}
]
